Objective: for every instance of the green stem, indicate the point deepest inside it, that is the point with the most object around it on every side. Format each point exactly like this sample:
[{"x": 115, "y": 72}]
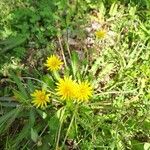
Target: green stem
[
  {"x": 56, "y": 75},
  {"x": 60, "y": 127},
  {"x": 70, "y": 125}
]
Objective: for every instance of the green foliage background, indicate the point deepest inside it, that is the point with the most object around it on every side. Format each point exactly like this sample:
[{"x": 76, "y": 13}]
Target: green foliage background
[{"x": 117, "y": 117}]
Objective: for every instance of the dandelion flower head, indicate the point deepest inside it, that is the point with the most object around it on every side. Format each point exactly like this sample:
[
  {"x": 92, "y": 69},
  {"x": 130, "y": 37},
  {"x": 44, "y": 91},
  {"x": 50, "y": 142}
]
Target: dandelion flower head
[
  {"x": 40, "y": 98},
  {"x": 100, "y": 34},
  {"x": 66, "y": 88},
  {"x": 84, "y": 91},
  {"x": 53, "y": 63}
]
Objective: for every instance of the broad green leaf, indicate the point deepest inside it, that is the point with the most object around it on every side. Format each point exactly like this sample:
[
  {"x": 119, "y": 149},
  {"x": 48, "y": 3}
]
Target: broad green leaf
[
  {"x": 142, "y": 26},
  {"x": 53, "y": 125},
  {"x": 12, "y": 118},
  {"x": 137, "y": 145},
  {"x": 19, "y": 96},
  {"x": 74, "y": 62},
  {"x": 34, "y": 135},
  {"x": 7, "y": 119},
  {"x": 24, "y": 133},
  {"x": 20, "y": 86},
  {"x": 10, "y": 104},
  {"x": 72, "y": 132},
  {"x": 42, "y": 113},
  {"x": 8, "y": 115},
  {"x": 32, "y": 117},
  {"x": 96, "y": 65},
  {"x": 102, "y": 8},
  {"x": 132, "y": 11},
  {"x": 12, "y": 42},
  {"x": 113, "y": 9},
  {"x": 6, "y": 99},
  {"x": 30, "y": 86},
  {"x": 48, "y": 79}
]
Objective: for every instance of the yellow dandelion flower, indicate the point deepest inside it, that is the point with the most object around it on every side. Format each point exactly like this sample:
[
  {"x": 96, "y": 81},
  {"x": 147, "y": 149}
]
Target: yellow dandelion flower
[
  {"x": 53, "y": 63},
  {"x": 40, "y": 98},
  {"x": 66, "y": 88},
  {"x": 100, "y": 34},
  {"x": 84, "y": 91}
]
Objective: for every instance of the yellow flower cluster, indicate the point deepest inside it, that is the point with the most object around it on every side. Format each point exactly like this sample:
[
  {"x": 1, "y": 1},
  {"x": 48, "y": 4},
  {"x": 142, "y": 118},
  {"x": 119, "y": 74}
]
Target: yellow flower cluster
[{"x": 67, "y": 89}]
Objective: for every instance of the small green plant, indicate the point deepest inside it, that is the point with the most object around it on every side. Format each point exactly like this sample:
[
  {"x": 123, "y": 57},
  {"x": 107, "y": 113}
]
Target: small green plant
[{"x": 62, "y": 94}]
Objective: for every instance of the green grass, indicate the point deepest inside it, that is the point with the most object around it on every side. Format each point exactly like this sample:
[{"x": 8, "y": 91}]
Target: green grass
[{"x": 117, "y": 116}]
